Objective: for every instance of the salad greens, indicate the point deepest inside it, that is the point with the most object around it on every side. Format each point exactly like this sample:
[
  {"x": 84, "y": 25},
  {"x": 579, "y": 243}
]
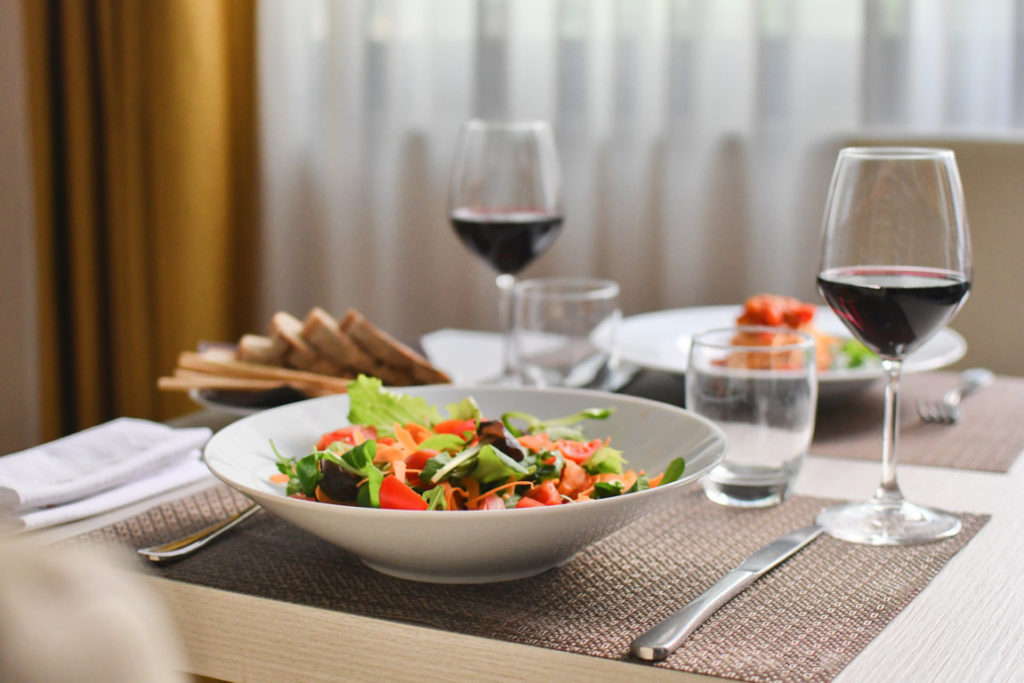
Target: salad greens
[{"x": 400, "y": 452}]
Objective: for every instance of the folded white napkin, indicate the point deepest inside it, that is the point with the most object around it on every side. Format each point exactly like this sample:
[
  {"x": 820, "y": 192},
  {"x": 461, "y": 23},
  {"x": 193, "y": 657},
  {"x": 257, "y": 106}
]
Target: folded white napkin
[
  {"x": 161, "y": 480},
  {"x": 468, "y": 356},
  {"x": 92, "y": 461}
]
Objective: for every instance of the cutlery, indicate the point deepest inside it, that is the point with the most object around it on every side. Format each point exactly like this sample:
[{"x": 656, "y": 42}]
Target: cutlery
[
  {"x": 189, "y": 544},
  {"x": 662, "y": 639},
  {"x": 947, "y": 411}
]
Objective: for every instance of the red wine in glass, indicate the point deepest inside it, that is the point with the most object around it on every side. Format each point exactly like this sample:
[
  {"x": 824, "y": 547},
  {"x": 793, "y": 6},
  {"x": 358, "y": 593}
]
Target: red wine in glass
[
  {"x": 505, "y": 204},
  {"x": 508, "y": 240},
  {"x": 895, "y": 267},
  {"x": 893, "y": 310}
]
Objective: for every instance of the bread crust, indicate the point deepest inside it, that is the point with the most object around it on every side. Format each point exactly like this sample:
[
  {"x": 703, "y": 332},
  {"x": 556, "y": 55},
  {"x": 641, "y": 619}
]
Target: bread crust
[
  {"x": 389, "y": 350},
  {"x": 325, "y": 335}
]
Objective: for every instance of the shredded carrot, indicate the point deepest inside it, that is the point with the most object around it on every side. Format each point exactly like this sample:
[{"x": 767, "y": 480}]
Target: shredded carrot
[
  {"x": 405, "y": 439},
  {"x": 628, "y": 479},
  {"x": 473, "y": 501},
  {"x": 389, "y": 454},
  {"x": 574, "y": 478},
  {"x": 472, "y": 489},
  {"x": 398, "y": 467},
  {"x": 449, "y": 494},
  {"x": 419, "y": 432},
  {"x": 537, "y": 442},
  {"x": 279, "y": 478},
  {"x": 357, "y": 436},
  {"x": 654, "y": 481}
]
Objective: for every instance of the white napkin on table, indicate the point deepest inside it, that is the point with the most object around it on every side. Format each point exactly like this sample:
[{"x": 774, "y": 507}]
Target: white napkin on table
[
  {"x": 468, "y": 356},
  {"x": 99, "y": 469}
]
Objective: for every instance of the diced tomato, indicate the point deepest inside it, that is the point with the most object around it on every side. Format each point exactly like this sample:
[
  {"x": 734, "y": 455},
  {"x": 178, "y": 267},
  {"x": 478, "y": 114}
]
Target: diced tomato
[
  {"x": 578, "y": 451},
  {"x": 776, "y": 311},
  {"x": 346, "y": 435},
  {"x": 416, "y": 461},
  {"x": 545, "y": 493},
  {"x": 525, "y": 502},
  {"x": 302, "y": 496},
  {"x": 491, "y": 502},
  {"x": 456, "y": 427},
  {"x": 800, "y": 314},
  {"x": 394, "y": 495}
]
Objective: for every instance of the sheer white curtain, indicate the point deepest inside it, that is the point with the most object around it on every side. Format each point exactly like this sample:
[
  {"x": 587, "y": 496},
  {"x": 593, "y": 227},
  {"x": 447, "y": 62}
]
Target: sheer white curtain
[{"x": 696, "y": 136}]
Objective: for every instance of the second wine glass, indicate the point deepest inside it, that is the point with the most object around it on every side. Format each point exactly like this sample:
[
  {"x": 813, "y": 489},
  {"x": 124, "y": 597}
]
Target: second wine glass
[
  {"x": 506, "y": 203},
  {"x": 895, "y": 267}
]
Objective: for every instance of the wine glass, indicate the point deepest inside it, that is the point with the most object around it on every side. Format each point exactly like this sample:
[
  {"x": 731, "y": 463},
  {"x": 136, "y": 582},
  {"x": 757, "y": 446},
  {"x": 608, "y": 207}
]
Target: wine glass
[
  {"x": 895, "y": 267},
  {"x": 506, "y": 203}
]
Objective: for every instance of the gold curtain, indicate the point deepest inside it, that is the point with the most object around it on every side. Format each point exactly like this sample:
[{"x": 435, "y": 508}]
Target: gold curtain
[{"x": 144, "y": 133}]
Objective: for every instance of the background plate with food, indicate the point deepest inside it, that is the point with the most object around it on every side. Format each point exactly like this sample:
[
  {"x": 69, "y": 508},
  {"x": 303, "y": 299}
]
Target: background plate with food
[{"x": 661, "y": 341}]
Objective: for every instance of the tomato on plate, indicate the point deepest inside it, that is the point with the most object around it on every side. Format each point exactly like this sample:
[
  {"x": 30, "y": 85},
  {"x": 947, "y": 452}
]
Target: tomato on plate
[
  {"x": 346, "y": 435},
  {"x": 394, "y": 495},
  {"x": 456, "y": 427},
  {"x": 545, "y": 494},
  {"x": 578, "y": 451},
  {"x": 416, "y": 461}
]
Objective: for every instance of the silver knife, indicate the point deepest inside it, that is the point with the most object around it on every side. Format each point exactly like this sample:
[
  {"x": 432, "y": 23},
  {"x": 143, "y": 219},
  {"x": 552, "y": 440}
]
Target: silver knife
[{"x": 665, "y": 637}]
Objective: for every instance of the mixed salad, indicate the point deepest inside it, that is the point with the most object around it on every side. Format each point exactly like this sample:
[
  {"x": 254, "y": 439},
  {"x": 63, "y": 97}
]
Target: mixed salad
[{"x": 400, "y": 452}]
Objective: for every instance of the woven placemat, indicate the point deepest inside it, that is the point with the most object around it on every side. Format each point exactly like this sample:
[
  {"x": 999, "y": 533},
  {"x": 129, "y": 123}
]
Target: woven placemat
[
  {"x": 988, "y": 437},
  {"x": 805, "y": 620}
]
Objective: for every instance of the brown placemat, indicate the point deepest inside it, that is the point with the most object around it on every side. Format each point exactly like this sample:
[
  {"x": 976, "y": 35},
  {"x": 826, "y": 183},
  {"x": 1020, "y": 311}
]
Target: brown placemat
[
  {"x": 988, "y": 437},
  {"x": 805, "y": 620}
]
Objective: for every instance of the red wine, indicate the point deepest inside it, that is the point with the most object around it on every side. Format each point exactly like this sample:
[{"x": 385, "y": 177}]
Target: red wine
[
  {"x": 893, "y": 310},
  {"x": 508, "y": 240}
]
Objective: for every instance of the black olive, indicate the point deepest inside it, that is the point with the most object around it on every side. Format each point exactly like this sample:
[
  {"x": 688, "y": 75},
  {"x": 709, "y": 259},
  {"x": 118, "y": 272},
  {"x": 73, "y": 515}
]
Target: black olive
[
  {"x": 494, "y": 433},
  {"x": 339, "y": 484}
]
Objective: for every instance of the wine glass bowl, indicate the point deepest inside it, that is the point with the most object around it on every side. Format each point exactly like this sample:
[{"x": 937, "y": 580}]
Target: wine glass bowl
[
  {"x": 506, "y": 202},
  {"x": 895, "y": 267}
]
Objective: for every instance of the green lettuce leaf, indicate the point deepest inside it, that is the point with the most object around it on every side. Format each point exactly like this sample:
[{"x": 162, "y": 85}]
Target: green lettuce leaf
[
  {"x": 492, "y": 465},
  {"x": 443, "y": 442},
  {"x": 563, "y": 425},
  {"x": 605, "y": 460},
  {"x": 466, "y": 409},
  {"x": 435, "y": 498},
  {"x": 673, "y": 471},
  {"x": 607, "y": 489},
  {"x": 371, "y": 404}
]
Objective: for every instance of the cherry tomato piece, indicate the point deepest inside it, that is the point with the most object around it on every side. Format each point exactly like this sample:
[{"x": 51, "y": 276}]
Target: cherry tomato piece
[{"x": 394, "y": 495}]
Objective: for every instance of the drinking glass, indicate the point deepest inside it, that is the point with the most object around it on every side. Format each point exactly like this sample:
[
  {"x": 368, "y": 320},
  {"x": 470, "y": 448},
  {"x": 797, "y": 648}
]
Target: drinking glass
[
  {"x": 895, "y": 267},
  {"x": 506, "y": 203},
  {"x": 760, "y": 386},
  {"x": 565, "y": 331}
]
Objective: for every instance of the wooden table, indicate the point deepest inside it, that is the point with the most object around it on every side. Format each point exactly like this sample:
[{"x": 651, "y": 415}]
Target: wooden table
[{"x": 968, "y": 623}]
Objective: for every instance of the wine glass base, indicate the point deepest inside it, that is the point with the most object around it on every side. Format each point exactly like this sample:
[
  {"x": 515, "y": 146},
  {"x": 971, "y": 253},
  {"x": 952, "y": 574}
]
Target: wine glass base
[{"x": 876, "y": 522}]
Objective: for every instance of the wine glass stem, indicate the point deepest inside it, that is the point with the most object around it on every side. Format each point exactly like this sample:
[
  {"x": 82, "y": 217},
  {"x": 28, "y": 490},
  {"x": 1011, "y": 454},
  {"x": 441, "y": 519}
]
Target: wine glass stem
[
  {"x": 888, "y": 489},
  {"x": 506, "y": 290}
]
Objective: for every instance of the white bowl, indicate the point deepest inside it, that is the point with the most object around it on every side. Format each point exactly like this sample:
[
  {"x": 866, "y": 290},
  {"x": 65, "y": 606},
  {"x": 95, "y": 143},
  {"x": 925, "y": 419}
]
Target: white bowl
[{"x": 469, "y": 546}]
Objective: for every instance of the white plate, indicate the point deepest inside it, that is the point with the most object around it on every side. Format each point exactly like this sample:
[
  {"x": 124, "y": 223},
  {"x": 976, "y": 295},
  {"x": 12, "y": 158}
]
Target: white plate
[
  {"x": 476, "y": 546},
  {"x": 243, "y": 403},
  {"x": 661, "y": 341}
]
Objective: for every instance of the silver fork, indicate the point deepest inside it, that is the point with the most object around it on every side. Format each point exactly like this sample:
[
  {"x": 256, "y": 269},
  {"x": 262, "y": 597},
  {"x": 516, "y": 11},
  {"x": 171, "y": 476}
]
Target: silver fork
[{"x": 947, "y": 411}]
